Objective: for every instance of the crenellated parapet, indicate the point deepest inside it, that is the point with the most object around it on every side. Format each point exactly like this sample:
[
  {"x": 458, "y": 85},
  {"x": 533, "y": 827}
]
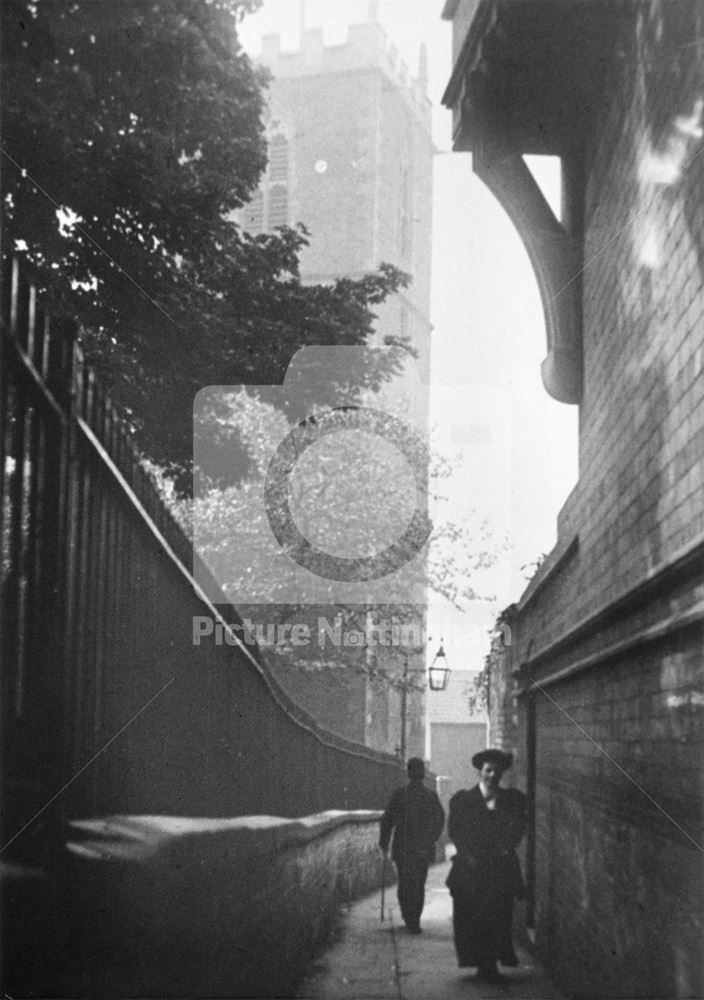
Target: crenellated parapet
[{"x": 366, "y": 47}]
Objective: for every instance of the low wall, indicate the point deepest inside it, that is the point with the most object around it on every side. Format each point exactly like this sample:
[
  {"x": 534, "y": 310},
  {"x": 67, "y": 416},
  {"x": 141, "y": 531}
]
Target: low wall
[{"x": 172, "y": 907}]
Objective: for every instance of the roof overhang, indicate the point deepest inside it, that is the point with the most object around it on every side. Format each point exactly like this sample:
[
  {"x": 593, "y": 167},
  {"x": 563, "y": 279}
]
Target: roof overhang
[
  {"x": 528, "y": 78},
  {"x": 534, "y": 69},
  {"x": 448, "y": 11}
]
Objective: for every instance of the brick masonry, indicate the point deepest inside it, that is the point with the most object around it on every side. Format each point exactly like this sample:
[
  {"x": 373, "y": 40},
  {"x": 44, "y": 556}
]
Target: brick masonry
[{"x": 608, "y": 637}]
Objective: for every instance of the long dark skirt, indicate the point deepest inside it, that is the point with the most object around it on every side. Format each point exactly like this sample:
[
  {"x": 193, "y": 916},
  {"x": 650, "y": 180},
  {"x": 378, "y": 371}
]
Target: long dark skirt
[{"x": 482, "y": 928}]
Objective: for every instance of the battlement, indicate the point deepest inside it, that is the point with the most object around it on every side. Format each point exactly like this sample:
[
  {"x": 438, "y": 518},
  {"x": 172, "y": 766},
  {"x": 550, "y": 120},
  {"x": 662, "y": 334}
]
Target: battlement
[{"x": 366, "y": 47}]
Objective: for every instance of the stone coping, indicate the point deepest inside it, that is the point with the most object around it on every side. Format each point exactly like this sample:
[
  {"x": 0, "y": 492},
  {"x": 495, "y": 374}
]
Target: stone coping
[{"x": 142, "y": 838}]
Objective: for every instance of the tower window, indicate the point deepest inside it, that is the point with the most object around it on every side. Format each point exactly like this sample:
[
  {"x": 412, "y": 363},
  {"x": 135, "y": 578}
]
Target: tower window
[
  {"x": 278, "y": 205},
  {"x": 269, "y": 207},
  {"x": 278, "y": 159},
  {"x": 253, "y": 218}
]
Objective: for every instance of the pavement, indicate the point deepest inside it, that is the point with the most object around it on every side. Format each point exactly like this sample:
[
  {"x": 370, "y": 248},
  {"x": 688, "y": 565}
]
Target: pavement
[{"x": 383, "y": 961}]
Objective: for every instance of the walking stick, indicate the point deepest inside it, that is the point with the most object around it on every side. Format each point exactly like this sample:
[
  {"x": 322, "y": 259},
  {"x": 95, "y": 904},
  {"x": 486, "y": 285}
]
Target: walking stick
[{"x": 383, "y": 884}]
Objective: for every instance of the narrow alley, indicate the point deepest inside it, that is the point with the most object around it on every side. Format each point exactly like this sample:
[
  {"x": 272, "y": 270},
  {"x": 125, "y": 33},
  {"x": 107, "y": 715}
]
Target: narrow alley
[
  {"x": 381, "y": 960},
  {"x": 346, "y": 345}
]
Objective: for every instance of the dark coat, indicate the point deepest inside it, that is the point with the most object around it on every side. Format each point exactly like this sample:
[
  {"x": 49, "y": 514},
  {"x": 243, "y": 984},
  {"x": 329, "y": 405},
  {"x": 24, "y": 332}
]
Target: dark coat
[
  {"x": 415, "y": 816},
  {"x": 486, "y": 839}
]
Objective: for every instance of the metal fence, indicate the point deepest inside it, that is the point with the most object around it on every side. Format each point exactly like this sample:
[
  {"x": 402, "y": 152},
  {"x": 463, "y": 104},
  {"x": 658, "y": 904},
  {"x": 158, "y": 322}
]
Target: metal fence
[{"x": 107, "y": 706}]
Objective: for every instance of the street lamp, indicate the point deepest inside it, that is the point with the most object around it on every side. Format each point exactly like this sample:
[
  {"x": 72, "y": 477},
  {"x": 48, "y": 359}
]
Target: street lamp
[
  {"x": 438, "y": 671},
  {"x": 438, "y": 676}
]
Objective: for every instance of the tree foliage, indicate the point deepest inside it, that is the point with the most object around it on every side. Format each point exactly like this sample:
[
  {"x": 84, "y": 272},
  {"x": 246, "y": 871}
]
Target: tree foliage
[
  {"x": 478, "y": 692},
  {"x": 350, "y": 499},
  {"x": 131, "y": 133},
  {"x": 345, "y": 502}
]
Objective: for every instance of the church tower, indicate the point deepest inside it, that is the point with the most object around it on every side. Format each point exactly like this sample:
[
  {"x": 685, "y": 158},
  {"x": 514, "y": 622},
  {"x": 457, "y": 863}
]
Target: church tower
[{"x": 350, "y": 156}]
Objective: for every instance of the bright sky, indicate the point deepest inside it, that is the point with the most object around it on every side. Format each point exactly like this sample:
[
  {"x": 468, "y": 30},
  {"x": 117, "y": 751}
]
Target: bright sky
[{"x": 489, "y": 334}]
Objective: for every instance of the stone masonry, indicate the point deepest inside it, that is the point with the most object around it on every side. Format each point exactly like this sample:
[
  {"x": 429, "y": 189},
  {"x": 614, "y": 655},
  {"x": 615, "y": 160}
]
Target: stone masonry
[{"x": 350, "y": 156}]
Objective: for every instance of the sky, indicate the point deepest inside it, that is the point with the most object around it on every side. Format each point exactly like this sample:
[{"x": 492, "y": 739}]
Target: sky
[{"x": 488, "y": 338}]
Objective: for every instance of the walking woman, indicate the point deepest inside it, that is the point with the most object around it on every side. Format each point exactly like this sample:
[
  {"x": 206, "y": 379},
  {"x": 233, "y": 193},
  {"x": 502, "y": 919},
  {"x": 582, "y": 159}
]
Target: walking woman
[{"x": 486, "y": 824}]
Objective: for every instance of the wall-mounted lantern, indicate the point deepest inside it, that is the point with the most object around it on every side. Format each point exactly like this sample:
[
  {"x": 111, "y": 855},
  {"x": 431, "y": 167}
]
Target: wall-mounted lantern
[{"x": 438, "y": 671}]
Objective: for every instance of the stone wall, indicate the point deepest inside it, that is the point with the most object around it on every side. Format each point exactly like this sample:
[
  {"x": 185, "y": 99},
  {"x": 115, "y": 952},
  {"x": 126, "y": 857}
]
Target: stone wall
[{"x": 162, "y": 906}]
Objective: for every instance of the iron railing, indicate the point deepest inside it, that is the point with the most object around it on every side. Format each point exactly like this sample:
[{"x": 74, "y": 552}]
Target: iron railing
[{"x": 107, "y": 706}]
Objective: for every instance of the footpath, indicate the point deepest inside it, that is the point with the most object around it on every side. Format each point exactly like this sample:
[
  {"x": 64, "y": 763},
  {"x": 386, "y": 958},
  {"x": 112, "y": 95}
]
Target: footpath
[{"x": 383, "y": 961}]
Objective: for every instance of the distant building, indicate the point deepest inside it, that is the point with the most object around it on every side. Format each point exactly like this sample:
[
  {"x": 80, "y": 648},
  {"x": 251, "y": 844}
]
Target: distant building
[
  {"x": 350, "y": 156},
  {"x": 605, "y": 659},
  {"x": 455, "y": 734}
]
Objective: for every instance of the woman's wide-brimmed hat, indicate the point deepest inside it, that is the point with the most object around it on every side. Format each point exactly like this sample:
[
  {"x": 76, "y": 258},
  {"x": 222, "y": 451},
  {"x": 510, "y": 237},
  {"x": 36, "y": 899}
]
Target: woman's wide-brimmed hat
[{"x": 496, "y": 757}]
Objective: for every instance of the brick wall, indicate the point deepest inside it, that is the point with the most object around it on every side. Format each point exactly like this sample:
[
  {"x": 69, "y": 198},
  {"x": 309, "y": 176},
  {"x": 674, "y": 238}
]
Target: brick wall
[
  {"x": 502, "y": 692},
  {"x": 609, "y": 634},
  {"x": 642, "y": 420},
  {"x": 619, "y": 890}
]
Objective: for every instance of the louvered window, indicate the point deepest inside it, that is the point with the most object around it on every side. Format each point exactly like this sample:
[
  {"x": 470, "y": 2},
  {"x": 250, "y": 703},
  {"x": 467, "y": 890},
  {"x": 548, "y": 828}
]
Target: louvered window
[
  {"x": 253, "y": 218},
  {"x": 278, "y": 205},
  {"x": 278, "y": 159}
]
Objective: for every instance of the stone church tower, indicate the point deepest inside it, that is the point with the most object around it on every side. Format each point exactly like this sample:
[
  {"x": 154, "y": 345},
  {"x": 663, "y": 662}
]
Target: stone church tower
[{"x": 351, "y": 157}]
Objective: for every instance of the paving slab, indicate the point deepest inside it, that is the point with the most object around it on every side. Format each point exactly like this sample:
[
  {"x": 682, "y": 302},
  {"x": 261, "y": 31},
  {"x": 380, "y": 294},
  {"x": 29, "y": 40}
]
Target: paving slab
[{"x": 383, "y": 961}]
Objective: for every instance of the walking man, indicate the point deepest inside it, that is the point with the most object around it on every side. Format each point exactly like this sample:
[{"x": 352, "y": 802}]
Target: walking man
[{"x": 416, "y": 818}]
